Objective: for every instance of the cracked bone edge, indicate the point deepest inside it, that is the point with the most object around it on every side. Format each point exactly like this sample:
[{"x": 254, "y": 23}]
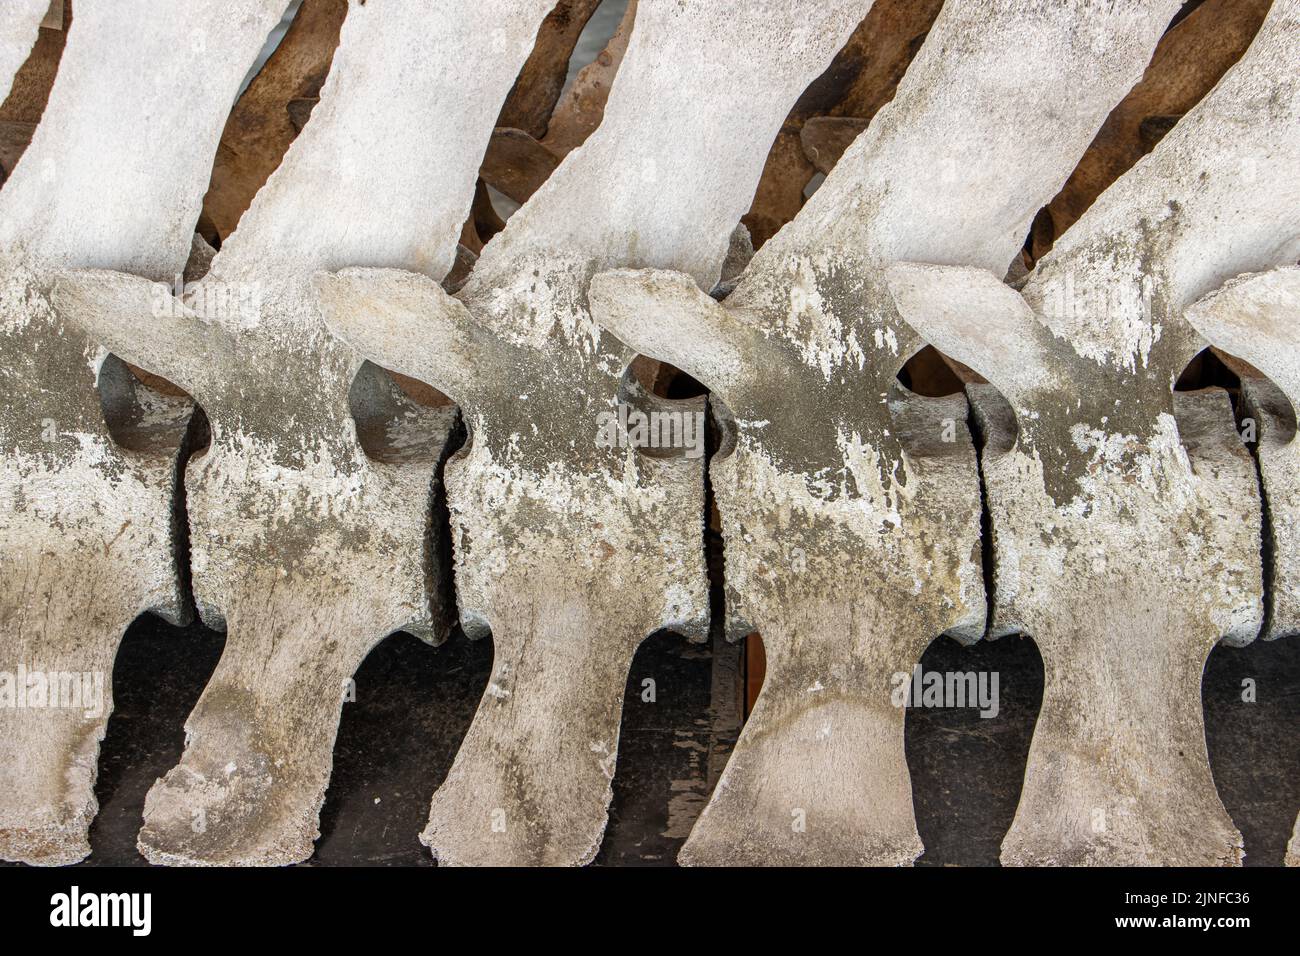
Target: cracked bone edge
[
  {"x": 87, "y": 531},
  {"x": 308, "y": 549},
  {"x": 1254, "y": 317},
  {"x": 1100, "y": 492},
  {"x": 570, "y": 552},
  {"x": 888, "y": 198}
]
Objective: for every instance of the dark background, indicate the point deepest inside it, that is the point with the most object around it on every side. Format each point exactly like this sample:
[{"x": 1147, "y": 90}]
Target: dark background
[{"x": 414, "y": 704}]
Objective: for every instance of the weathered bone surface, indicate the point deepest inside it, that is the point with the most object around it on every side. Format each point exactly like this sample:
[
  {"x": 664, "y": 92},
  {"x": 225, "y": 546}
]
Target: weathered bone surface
[
  {"x": 850, "y": 509},
  {"x": 1257, "y": 318},
  {"x": 1126, "y": 518},
  {"x": 311, "y": 532},
  {"x": 87, "y": 541},
  {"x": 1293, "y": 848},
  {"x": 571, "y": 551}
]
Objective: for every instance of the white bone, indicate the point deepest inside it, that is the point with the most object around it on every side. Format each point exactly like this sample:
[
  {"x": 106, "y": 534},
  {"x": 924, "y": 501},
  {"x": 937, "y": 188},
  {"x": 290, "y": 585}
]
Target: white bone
[
  {"x": 851, "y": 525},
  {"x": 1257, "y": 318},
  {"x": 113, "y": 178},
  {"x": 308, "y": 550},
  {"x": 571, "y": 552},
  {"x": 1126, "y": 519}
]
